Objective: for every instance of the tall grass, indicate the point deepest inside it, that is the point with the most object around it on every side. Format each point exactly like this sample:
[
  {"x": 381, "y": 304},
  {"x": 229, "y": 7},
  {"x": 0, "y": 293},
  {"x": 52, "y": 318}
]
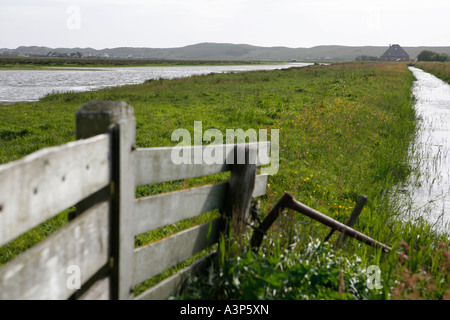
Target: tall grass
[
  {"x": 439, "y": 69},
  {"x": 345, "y": 130}
]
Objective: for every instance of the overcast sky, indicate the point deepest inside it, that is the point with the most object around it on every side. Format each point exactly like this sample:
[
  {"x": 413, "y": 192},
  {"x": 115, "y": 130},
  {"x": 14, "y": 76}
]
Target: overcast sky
[{"x": 175, "y": 23}]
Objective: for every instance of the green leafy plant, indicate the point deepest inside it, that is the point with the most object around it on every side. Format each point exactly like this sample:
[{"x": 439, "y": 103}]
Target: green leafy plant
[{"x": 314, "y": 273}]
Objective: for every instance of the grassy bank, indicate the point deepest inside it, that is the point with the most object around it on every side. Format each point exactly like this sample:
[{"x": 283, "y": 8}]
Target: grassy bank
[
  {"x": 344, "y": 131},
  {"x": 45, "y": 62},
  {"x": 439, "y": 69}
]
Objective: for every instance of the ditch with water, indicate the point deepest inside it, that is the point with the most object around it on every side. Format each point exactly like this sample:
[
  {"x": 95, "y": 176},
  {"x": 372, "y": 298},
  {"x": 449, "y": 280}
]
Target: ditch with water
[{"x": 427, "y": 193}]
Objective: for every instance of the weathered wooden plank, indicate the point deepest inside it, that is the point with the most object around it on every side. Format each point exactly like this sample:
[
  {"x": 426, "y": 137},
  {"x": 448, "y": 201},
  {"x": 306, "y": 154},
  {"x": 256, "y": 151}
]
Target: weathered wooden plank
[
  {"x": 48, "y": 181},
  {"x": 173, "y": 284},
  {"x": 50, "y": 269},
  {"x": 156, "y": 165},
  {"x": 123, "y": 209},
  {"x": 100, "y": 290},
  {"x": 159, "y": 210},
  {"x": 163, "y": 209},
  {"x": 118, "y": 118},
  {"x": 158, "y": 256},
  {"x": 260, "y": 185}
]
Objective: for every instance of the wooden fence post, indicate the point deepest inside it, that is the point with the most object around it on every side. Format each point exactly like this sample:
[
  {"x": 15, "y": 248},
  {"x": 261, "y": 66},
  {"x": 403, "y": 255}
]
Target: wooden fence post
[
  {"x": 240, "y": 190},
  {"x": 98, "y": 117}
]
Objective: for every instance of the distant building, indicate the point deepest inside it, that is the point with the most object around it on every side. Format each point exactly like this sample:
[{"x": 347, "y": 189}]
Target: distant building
[
  {"x": 57, "y": 54},
  {"x": 395, "y": 53}
]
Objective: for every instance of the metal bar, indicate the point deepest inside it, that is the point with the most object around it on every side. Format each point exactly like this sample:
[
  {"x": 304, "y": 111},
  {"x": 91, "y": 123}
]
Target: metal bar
[
  {"x": 288, "y": 201},
  {"x": 300, "y": 207},
  {"x": 261, "y": 230}
]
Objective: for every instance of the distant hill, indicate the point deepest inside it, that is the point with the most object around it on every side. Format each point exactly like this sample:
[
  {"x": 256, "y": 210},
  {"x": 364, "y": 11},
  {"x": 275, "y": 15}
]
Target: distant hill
[{"x": 226, "y": 51}]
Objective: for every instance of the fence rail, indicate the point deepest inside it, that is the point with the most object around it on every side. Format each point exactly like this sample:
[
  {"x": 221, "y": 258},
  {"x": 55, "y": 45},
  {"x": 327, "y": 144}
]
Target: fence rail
[
  {"x": 39, "y": 186},
  {"x": 97, "y": 175},
  {"x": 151, "y": 165}
]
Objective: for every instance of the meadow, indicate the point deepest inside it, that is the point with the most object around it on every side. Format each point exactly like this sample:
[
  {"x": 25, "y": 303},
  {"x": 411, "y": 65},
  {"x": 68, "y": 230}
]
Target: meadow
[{"x": 344, "y": 131}]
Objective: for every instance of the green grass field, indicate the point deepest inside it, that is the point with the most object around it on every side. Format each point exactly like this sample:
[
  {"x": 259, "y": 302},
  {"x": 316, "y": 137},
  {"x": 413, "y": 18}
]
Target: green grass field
[{"x": 344, "y": 131}]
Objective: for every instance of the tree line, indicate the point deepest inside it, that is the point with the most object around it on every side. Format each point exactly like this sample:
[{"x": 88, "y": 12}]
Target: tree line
[{"x": 427, "y": 55}]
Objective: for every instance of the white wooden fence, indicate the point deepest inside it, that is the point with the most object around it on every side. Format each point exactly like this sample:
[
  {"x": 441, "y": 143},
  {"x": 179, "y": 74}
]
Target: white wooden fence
[{"x": 98, "y": 175}]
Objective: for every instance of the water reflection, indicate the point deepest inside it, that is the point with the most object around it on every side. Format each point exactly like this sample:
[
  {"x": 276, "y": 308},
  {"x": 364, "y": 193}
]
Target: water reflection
[{"x": 31, "y": 85}]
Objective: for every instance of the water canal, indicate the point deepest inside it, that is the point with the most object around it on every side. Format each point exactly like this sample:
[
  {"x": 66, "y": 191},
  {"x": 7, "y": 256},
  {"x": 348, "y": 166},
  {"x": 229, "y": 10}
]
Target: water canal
[{"x": 427, "y": 194}]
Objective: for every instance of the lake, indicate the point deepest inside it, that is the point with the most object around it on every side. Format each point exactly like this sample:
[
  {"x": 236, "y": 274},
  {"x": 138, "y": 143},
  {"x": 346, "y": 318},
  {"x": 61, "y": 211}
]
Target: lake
[{"x": 31, "y": 85}]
